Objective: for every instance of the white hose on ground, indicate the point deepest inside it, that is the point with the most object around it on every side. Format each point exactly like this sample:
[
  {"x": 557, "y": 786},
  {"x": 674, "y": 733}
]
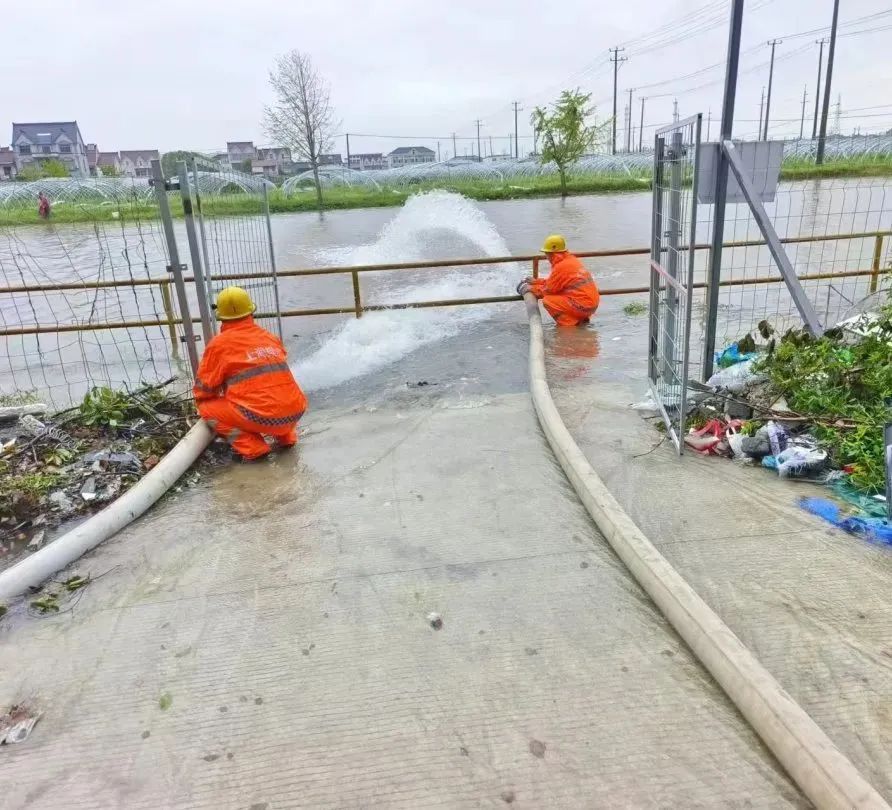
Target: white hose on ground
[
  {"x": 817, "y": 766},
  {"x": 32, "y": 571}
]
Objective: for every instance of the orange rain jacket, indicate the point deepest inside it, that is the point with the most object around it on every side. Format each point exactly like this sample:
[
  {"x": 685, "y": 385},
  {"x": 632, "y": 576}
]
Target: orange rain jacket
[
  {"x": 569, "y": 293},
  {"x": 247, "y": 366}
]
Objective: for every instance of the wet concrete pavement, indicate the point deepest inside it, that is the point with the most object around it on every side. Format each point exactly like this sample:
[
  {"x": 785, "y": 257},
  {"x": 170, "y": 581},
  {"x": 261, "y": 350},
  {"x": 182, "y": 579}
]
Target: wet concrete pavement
[{"x": 283, "y": 608}]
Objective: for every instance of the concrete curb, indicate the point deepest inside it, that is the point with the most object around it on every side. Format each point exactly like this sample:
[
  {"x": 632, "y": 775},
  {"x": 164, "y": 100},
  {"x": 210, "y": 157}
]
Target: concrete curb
[
  {"x": 817, "y": 766},
  {"x": 32, "y": 571}
]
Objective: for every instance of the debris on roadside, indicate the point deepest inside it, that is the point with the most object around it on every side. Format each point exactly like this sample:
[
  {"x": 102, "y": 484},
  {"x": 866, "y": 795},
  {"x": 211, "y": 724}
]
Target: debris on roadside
[
  {"x": 55, "y": 468},
  {"x": 435, "y": 620},
  {"x": 17, "y": 724},
  {"x": 807, "y": 408}
]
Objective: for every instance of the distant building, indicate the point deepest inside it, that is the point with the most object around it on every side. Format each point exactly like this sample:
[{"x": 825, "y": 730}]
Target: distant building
[
  {"x": 240, "y": 151},
  {"x": 324, "y": 160},
  {"x": 8, "y": 170},
  {"x": 368, "y": 161},
  {"x": 410, "y": 155},
  {"x": 106, "y": 160},
  {"x": 138, "y": 162},
  {"x": 92, "y": 157},
  {"x": 272, "y": 161},
  {"x": 60, "y": 140}
]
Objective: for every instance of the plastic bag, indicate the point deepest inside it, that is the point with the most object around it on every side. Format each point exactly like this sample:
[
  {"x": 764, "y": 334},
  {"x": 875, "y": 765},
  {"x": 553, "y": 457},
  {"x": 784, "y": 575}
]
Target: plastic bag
[
  {"x": 736, "y": 378},
  {"x": 800, "y": 461}
]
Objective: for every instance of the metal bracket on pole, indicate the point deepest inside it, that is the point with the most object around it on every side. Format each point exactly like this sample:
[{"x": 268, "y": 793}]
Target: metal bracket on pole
[
  {"x": 175, "y": 267},
  {"x": 805, "y": 307},
  {"x": 204, "y": 307}
]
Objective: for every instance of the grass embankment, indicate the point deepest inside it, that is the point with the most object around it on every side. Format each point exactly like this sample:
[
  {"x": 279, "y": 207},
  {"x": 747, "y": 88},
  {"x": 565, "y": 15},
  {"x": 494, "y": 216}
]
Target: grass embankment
[{"x": 346, "y": 198}]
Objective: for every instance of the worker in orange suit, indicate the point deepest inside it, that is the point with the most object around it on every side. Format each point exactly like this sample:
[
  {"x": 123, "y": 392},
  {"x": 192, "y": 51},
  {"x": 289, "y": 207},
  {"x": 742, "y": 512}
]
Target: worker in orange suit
[
  {"x": 244, "y": 388},
  {"x": 569, "y": 293}
]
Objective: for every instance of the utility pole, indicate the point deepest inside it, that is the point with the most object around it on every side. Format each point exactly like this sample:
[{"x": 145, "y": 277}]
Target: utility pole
[
  {"x": 616, "y": 59},
  {"x": 720, "y": 190},
  {"x": 491, "y": 153},
  {"x": 516, "y": 142},
  {"x": 708, "y": 124},
  {"x": 802, "y": 122},
  {"x": 478, "y": 138},
  {"x": 347, "y": 135},
  {"x": 773, "y": 43},
  {"x": 641, "y": 128},
  {"x": 454, "y": 147},
  {"x": 819, "y": 158},
  {"x": 837, "y": 121},
  {"x": 761, "y": 114},
  {"x": 820, "y": 42},
  {"x": 629, "y": 140},
  {"x": 438, "y": 152}
]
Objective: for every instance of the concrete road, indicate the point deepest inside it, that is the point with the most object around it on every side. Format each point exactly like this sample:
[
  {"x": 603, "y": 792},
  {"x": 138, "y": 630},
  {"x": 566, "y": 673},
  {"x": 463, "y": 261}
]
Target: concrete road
[{"x": 282, "y": 611}]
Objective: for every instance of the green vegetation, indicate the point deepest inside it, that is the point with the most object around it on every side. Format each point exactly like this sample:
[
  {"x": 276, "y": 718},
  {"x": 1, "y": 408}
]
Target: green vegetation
[
  {"x": 169, "y": 161},
  {"x": 42, "y": 169},
  {"x": 566, "y": 135},
  {"x": 18, "y": 398},
  {"x": 130, "y": 210},
  {"x": 635, "y": 308},
  {"x": 844, "y": 385}
]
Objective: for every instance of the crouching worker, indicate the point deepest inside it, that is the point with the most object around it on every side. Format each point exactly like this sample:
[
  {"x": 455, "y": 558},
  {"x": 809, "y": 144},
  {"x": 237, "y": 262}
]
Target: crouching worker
[
  {"x": 244, "y": 388},
  {"x": 569, "y": 294}
]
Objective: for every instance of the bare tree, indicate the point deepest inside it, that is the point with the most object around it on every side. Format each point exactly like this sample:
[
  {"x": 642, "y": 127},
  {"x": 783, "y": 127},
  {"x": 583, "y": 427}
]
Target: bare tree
[{"x": 301, "y": 117}]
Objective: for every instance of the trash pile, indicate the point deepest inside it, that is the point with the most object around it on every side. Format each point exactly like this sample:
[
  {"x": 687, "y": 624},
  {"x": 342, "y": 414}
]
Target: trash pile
[
  {"x": 807, "y": 408},
  {"x": 73, "y": 463}
]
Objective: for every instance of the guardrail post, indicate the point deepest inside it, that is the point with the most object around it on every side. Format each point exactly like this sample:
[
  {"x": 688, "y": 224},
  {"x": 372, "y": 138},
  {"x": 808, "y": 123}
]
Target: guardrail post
[
  {"x": 357, "y": 302},
  {"x": 168, "y": 313},
  {"x": 272, "y": 260},
  {"x": 875, "y": 266},
  {"x": 201, "y": 231},
  {"x": 204, "y": 304},
  {"x": 175, "y": 267}
]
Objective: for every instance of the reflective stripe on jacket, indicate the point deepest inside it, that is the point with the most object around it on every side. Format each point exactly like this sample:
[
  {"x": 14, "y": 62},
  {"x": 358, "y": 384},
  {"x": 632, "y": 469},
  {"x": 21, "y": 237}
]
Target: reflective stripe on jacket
[
  {"x": 569, "y": 278},
  {"x": 248, "y": 366}
]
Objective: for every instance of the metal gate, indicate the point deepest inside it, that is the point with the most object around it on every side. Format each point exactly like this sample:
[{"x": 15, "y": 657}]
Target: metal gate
[
  {"x": 673, "y": 236},
  {"x": 227, "y": 248}
]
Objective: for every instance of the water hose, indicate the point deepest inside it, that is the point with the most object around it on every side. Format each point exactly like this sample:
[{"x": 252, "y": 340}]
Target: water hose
[
  {"x": 41, "y": 565},
  {"x": 814, "y": 763}
]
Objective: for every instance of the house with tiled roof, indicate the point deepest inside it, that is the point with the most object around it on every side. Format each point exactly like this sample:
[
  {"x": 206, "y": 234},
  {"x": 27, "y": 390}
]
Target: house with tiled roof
[{"x": 34, "y": 143}]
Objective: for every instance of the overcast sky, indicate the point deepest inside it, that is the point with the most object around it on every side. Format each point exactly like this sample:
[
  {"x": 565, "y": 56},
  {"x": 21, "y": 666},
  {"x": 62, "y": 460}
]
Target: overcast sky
[{"x": 172, "y": 75}]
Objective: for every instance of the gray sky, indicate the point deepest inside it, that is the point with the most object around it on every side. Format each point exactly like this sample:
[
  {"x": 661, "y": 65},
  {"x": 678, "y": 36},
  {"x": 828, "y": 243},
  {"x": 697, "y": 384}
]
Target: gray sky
[{"x": 194, "y": 74}]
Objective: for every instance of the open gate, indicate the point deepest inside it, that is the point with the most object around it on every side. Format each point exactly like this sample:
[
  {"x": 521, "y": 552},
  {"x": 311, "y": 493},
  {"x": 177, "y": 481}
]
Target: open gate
[{"x": 673, "y": 236}]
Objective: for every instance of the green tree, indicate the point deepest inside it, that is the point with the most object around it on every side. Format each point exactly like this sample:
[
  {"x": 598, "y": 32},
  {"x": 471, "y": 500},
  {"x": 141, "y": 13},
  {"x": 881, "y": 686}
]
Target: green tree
[
  {"x": 110, "y": 171},
  {"x": 55, "y": 168},
  {"x": 43, "y": 168},
  {"x": 565, "y": 132},
  {"x": 245, "y": 166}
]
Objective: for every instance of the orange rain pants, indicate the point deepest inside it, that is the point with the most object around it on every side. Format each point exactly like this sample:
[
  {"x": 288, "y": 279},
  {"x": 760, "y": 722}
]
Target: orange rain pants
[
  {"x": 245, "y": 390},
  {"x": 569, "y": 293}
]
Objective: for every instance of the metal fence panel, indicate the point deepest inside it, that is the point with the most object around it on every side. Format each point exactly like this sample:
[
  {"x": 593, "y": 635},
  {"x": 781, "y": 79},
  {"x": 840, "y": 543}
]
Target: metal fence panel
[
  {"x": 674, "y": 233},
  {"x": 228, "y": 245}
]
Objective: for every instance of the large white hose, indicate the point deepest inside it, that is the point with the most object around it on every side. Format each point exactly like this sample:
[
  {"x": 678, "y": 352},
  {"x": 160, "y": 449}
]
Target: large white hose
[
  {"x": 32, "y": 571},
  {"x": 817, "y": 766}
]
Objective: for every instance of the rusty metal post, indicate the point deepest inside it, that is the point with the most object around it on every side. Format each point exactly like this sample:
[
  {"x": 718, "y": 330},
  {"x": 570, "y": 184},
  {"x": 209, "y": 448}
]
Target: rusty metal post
[
  {"x": 875, "y": 265},
  {"x": 357, "y": 302},
  {"x": 167, "y": 303},
  {"x": 535, "y": 267}
]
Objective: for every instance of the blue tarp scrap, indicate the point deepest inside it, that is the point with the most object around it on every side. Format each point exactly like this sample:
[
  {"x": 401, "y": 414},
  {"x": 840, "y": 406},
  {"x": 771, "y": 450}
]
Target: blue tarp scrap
[
  {"x": 731, "y": 356},
  {"x": 870, "y": 528}
]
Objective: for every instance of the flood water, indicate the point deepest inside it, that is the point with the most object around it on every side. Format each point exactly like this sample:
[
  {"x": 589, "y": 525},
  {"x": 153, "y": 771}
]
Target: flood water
[{"x": 329, "y": 351}]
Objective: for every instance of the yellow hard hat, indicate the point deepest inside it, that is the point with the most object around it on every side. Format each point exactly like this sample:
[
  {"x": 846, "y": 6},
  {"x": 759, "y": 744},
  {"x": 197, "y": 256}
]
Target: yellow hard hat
[
  {"x": 234, "y": 303},
  {"x": 554, "y": 244}
]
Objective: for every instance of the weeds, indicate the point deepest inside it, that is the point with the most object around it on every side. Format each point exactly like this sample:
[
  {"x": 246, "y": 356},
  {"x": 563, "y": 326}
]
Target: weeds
[
  {"x": 635, "y": 308},
  {"x": 846, "y": 387}
]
